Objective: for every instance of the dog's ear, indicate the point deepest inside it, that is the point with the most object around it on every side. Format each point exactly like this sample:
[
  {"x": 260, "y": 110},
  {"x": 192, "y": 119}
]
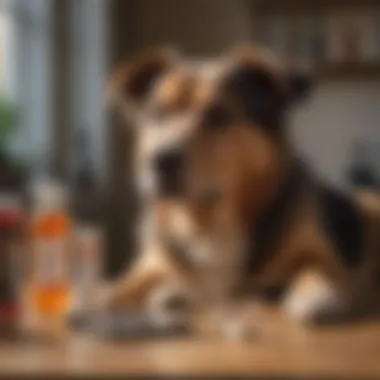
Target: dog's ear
[
  {"x": 130, "y": 84},
  {"x": 259, "y": 93},
  {"x": 260, "y": 84}
]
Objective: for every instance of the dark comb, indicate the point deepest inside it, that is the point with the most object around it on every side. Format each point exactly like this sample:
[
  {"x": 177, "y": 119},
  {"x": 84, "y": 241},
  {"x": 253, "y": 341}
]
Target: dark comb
[{"x": 124, "y": 326}]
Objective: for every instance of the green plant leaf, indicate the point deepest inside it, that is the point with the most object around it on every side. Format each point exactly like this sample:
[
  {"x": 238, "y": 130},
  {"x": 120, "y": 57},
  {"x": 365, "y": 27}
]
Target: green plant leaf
[{"x": 7, "y": 120}]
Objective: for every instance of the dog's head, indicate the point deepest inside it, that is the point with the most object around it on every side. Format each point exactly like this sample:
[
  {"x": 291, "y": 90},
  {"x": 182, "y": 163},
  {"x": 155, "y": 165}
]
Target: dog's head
[{"x": 209, "y": 131}]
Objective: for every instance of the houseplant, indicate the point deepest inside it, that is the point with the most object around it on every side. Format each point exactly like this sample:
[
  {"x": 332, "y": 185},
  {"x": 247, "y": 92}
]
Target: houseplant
[{"x": 11, "y": 172}]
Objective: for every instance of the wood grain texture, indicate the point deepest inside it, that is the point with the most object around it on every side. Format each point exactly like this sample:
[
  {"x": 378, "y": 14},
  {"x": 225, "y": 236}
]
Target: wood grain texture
[{"x": 280, "y": 349}]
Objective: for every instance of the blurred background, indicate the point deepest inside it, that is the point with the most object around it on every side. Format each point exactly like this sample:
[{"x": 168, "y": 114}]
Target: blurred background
[
  {"x": 65, "y": 162},
  {"x": 55, "y": 56}
]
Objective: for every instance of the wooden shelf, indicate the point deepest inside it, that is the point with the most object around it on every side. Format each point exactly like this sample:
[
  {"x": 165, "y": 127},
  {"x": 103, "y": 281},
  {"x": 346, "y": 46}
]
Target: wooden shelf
[
  {"x": 352, "y": 70},
  {"x": 301, "y": 5},
  {"x": 262, "y": 10}
]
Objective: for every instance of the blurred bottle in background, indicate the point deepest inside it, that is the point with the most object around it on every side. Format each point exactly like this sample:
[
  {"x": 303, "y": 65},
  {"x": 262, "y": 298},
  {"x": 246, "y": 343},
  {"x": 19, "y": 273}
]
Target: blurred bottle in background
[
  {"x": 364, "y": 162},
  {"x": 88, "y": 234},
  {"x": 50, "y": 228},
  {"x": 276, "y": 34},
  {"x": 11, "y": 221},
  {"x": 308, "y": 37}
]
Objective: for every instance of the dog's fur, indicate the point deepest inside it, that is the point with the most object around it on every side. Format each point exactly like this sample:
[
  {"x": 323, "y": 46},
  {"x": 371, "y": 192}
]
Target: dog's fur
[{"x": 250, "y": 216}]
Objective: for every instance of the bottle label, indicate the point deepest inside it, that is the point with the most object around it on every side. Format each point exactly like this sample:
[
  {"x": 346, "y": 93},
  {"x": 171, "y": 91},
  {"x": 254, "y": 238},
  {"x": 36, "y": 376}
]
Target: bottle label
[{"x": 50, "y": 256}]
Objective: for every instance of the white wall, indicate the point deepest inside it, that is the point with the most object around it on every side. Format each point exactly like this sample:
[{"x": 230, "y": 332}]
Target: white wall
[
  {"x": 89, "y": 70},
  {"x": 33, "y": 89},
  {"x": 323, "y": 128},
  {"x": 7, "y": 73},
  {"x": 338, "y": 111}
]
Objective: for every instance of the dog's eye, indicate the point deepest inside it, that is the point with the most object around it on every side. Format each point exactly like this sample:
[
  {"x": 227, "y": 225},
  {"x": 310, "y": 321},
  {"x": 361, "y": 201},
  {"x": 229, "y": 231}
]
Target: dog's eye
[{"x": 217, "y": 119}]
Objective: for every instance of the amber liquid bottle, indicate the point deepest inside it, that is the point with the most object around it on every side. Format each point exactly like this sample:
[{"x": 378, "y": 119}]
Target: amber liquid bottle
[{"x": 50, "y": 240}]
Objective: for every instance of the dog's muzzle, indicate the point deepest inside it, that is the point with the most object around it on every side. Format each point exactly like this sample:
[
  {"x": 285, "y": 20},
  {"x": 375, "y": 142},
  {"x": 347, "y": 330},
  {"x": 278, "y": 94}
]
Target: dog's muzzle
[{"x": 169, "y": 167}]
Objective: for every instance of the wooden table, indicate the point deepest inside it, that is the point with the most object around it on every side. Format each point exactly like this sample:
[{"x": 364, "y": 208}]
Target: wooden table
[{"x": 281, "y": 349}]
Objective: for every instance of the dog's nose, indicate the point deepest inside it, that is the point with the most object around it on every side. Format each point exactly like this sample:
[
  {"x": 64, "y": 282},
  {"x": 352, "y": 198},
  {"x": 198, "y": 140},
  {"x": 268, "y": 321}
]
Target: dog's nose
[
  {"x": 170, "y": 161},
  {"x": 169, "y": 166}
]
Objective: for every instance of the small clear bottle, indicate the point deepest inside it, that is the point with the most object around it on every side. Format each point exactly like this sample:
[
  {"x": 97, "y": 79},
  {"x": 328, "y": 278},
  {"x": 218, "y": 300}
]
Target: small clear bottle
[
  {"x": 88, "y": 231},
  {"x": 88, "y": 246}
]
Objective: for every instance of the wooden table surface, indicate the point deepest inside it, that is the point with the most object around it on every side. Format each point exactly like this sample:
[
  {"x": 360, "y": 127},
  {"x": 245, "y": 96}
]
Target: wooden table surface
[{"x": 280, "y": 349}]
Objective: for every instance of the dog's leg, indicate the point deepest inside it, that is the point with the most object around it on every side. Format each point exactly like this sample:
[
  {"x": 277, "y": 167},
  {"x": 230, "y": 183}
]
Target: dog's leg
[
  {"x": 131, "y": 290},
  {"x": 313, "y": 298}
]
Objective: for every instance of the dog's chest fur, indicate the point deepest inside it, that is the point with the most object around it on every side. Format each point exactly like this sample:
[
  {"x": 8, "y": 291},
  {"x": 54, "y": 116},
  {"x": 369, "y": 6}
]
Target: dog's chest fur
[
  {"x": 215, "y": 258},
  {"x": 218, "y": 261},
  {"x": 222, "y": 258}
]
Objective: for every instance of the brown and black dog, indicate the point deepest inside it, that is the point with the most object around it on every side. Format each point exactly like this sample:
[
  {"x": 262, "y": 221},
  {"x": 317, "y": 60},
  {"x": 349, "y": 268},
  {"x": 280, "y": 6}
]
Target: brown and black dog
[{"x": 228, "y": 206}]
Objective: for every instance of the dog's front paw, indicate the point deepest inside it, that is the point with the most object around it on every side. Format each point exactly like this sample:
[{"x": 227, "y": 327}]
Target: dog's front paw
[
  {"x": 102, "y": 300},
  {"x": 170, "y": 304},
  {"x": 314, "y": 299}
]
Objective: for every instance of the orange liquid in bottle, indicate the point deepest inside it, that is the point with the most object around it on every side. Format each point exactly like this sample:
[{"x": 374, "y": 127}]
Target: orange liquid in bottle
[{"x": 50, "y": 277}]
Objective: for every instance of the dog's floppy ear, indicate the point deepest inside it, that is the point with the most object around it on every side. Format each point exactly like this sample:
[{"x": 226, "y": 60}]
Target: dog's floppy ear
[
  {"x": 130, "y": 84},
  {"x": 263, "y": 86},
  {"x": 259, "y": 93}
]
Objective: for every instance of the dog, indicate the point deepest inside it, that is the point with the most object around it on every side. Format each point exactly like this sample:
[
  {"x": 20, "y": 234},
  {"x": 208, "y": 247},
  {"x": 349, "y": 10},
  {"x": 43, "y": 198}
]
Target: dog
[{"x": 229, "y": 209}]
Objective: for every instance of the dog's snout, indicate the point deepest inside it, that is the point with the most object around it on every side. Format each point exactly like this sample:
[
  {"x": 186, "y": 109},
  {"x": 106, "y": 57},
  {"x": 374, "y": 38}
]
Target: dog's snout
[
  {"x": 169, "y": 167},
  {"x": 170, "y": 161}
]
